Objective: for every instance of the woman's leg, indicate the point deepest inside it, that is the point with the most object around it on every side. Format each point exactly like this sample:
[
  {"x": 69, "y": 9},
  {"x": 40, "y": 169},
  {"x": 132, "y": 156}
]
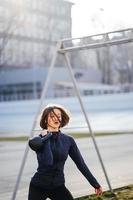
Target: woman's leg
[
  {"x": 36, "y": 193},
  {"x": 60, "y": 193}
]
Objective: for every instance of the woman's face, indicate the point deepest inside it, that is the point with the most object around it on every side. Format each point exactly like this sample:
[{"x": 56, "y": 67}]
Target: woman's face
[{"x": 54, "y": 119}]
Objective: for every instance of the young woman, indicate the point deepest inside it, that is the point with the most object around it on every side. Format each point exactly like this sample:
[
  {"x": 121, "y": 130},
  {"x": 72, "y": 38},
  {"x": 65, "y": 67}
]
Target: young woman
[{"x": 52, "y": 148}]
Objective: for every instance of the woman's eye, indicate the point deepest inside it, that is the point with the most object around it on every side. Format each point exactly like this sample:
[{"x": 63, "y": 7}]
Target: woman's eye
[{"x": 53, "y": 116}]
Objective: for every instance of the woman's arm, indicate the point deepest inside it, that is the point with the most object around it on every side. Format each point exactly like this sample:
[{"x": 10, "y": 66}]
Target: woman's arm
[
  {"x": 37, "y": 142},
  {"x": 81, "y": 165}
]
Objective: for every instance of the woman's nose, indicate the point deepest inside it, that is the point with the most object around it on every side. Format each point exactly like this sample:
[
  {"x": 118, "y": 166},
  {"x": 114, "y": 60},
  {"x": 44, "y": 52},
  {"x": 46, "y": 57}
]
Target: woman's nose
[{"x": 57, "y": 118}]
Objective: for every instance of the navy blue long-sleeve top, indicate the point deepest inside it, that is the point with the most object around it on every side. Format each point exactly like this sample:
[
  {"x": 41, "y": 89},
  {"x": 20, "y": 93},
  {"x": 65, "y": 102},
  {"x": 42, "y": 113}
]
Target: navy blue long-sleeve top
[{"x": 51, "y": 158}]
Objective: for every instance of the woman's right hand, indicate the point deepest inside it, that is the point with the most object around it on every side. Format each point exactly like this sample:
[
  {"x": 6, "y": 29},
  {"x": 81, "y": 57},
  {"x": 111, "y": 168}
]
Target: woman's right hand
[{"x": 35, "y": 143}]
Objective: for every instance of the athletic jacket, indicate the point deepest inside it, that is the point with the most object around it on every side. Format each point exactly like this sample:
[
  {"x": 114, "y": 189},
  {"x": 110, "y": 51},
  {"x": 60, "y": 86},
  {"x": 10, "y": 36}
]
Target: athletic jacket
[{"x": 51, "y": 156}]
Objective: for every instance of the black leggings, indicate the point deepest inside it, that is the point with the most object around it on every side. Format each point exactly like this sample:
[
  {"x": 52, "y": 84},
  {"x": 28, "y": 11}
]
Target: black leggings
[{"x": 59, "y": 193}]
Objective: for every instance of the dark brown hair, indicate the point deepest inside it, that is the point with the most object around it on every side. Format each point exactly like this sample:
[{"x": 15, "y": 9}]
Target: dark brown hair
[{"x": 44, "y": 117}]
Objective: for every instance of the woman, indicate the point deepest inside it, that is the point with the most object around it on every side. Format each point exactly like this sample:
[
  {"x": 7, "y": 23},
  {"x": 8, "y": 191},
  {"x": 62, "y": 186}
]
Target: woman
[{"x": 52, "y": 148}]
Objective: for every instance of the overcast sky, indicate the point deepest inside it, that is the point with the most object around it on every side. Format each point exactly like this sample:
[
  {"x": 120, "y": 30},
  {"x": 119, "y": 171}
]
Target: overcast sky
[{"x": 94, "y": 16}]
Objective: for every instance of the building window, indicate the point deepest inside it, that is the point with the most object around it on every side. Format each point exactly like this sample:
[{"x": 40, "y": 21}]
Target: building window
[{"x": 20, "y": 91}]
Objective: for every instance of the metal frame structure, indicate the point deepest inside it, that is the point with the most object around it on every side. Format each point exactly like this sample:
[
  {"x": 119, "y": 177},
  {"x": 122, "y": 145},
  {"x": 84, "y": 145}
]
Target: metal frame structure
[{"x": 63, "y": 47}]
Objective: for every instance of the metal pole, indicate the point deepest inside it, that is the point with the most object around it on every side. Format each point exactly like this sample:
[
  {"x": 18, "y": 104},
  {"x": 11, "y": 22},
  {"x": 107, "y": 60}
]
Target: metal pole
[
  {"x": 43, "y": 94},
  {"x": 99, "y": 34},
  {"x": 96, "y": 45},
  {"x": 85, "y": 115}
]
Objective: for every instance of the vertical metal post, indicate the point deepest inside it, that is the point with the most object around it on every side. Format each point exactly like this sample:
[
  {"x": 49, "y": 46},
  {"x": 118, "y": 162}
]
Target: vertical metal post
[
  {"x": 43, "y": 94},
  {"x": 86, "y": 118}
]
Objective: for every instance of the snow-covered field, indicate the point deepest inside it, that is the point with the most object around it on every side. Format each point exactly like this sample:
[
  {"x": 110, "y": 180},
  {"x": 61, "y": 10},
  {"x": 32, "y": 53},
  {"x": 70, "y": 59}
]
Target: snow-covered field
[{"x": 105, "y": 113}]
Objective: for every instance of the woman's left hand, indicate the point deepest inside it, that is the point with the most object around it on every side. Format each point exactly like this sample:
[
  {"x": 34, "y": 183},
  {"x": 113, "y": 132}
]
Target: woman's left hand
[{"x": 98, "y": 191}]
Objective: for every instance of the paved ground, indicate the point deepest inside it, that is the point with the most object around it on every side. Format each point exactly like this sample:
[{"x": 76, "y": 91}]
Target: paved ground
[{"x": 116, "y": 152}]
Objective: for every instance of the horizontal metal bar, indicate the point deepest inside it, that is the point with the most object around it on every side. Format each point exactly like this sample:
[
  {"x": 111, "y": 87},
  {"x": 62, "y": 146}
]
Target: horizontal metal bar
[
  {"x": 96, "y": 45},
  {"x": 85, "y": 37}
]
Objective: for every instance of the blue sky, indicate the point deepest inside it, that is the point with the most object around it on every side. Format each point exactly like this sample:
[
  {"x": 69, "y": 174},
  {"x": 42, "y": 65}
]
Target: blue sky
[{"x": 94, "y": 16}]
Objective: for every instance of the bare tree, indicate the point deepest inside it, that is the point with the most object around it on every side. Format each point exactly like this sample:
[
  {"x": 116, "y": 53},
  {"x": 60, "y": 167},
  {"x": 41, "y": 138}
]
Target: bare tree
[
  {"x": 123, "y": 63},
  {"x": 9, "y": 27}
]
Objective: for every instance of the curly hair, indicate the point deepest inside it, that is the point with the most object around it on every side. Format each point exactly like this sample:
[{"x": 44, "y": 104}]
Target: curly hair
[{"x": 48, "y": 109}]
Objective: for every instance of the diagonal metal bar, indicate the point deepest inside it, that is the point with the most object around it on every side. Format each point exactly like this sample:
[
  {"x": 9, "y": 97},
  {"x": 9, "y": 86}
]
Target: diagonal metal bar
[
  {"x": 43, "y": 94},
  {"x": 86, "y": 118}
]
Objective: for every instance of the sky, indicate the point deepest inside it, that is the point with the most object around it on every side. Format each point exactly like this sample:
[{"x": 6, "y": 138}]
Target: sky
[{"x": 98, "y": 16}]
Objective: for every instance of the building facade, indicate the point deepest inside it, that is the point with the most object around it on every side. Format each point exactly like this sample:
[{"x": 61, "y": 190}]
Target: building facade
[{"x": 29, "y": 30}]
